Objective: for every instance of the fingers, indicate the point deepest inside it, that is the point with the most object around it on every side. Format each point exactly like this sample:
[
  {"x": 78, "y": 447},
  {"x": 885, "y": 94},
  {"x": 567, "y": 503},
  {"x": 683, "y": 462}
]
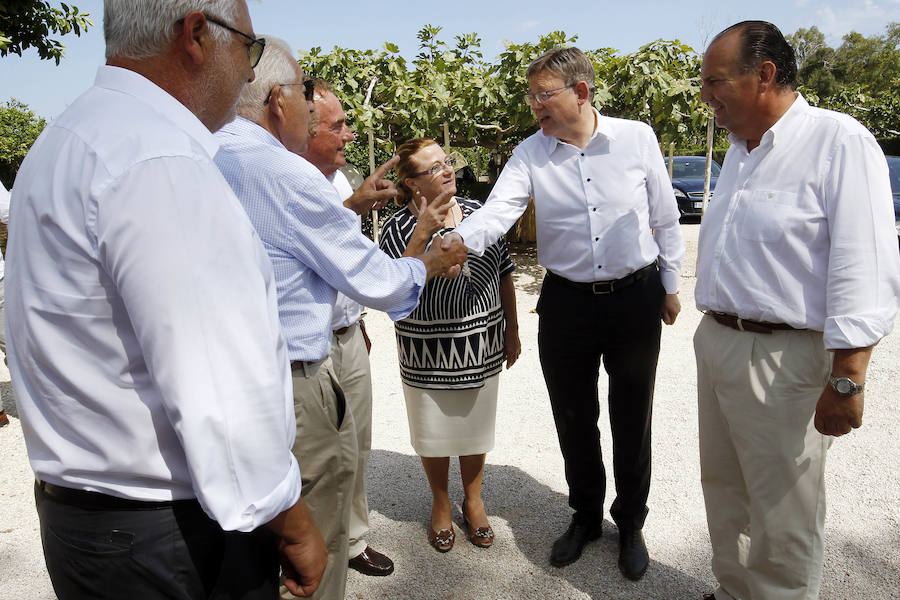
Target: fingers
[
  {"x": 379, "y": 172},
  {"x": 447, "y": 240}
]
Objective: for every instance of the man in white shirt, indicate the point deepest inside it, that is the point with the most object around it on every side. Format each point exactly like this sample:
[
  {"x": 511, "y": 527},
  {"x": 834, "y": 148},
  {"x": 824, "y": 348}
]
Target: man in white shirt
[
  {"x": 798, "y": 274},
  {"x": 152, "y": 377},
  {"x": 608, "y": 234},
  {"x": 316, "y": 249},
  {"x": 350, "y": 345}
]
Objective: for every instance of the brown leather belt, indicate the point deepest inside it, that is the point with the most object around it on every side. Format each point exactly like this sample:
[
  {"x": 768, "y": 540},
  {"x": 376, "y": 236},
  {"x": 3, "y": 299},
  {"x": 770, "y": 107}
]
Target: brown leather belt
[
  {"x": 299, "y": 365},
  {"x": 606, "y": 287},
  {"x": 746, "y": 325},
  {"x": 342, "y": 330},
  {"x": 99, "y": 501}
]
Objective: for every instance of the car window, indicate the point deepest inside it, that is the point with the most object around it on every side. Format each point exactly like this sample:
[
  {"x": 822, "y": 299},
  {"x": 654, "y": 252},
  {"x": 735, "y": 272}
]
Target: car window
[
  {"x": 692, "y": 167},
  {"x": 894, "y": 167}
]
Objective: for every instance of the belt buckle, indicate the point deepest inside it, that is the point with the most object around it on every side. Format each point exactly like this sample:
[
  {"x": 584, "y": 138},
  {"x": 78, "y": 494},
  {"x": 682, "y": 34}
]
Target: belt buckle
[{"x": 602, "y": 292}]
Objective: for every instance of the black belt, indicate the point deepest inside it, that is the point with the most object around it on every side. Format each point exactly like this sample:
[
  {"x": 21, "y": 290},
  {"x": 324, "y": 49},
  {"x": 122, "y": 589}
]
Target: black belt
[
  {"x": 606, "y": 287},
  {"x": 740, "y": 324},
  {"x": 99, "y": 501}
]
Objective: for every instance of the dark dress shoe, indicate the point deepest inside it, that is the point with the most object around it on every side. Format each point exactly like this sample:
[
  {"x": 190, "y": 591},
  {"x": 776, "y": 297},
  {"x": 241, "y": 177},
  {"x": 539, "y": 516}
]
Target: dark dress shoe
[
  {"x": 371, "y": 562},
  {"x": 567, "y": 548},
  {"x": 633, "y": 557},
  {"x": 709, "y": 597}
]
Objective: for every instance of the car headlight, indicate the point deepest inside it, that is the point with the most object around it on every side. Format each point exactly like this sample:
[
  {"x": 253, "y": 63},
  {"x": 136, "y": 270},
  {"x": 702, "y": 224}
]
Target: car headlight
[{"x": 679, "y": 193}]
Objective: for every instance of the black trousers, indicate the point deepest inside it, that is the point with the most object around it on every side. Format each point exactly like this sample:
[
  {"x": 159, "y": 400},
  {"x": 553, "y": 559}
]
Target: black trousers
[
  {"x": 577, "y": 329},
  {"x": 175, "y": 552}
]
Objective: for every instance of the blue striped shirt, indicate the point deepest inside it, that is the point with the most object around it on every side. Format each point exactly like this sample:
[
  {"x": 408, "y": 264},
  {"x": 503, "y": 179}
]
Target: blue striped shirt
[{"x": 314, "y": 242}]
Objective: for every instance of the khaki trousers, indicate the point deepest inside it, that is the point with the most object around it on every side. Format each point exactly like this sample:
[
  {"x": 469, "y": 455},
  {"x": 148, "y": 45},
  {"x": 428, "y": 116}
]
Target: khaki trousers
[
  {"x": 350, "y": 360},
  {"x": 326, "y": 450},
  {"x": 762, "y": 462}
]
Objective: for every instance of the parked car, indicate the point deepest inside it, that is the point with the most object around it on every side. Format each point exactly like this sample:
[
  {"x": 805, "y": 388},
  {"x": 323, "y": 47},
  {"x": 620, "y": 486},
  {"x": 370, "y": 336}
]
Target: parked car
[
  {"x": 688, "y": 173},
  {"x": 894, "y": 168}
]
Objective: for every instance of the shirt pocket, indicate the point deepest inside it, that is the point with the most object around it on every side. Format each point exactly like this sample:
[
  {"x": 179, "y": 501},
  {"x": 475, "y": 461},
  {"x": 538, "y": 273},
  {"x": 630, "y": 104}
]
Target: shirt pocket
[{"x": 765, "y": 214}]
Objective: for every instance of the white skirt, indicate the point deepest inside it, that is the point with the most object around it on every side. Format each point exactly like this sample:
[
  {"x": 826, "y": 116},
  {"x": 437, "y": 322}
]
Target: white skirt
[{"x": 452, "y": 422}]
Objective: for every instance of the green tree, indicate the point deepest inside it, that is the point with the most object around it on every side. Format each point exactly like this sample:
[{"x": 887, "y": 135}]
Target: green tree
[
  {"x": 19, "y": 128},
  {"x": 30, "y": 23}
]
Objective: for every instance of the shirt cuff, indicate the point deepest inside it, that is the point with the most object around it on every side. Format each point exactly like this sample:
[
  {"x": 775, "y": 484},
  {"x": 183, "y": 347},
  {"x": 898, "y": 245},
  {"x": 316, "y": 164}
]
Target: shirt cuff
[
  {"x": 855, "y": 331},
  {"x": 262, "y": 510},
  {"x": 670, "y": 280}
]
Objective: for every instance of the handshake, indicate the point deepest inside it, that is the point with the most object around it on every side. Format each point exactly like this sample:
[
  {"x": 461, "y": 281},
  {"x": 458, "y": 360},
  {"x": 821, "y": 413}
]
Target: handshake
[{"x": 446, "y": 258}]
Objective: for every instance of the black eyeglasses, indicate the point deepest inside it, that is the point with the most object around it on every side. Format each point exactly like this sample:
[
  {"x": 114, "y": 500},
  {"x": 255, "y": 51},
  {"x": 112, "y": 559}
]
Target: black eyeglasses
[
  {"x": 308, "y": 89},
  {"x": 256, "y": 47}
]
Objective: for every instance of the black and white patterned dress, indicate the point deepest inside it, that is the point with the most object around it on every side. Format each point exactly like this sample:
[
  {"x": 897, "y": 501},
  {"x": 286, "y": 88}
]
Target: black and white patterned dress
[
  {"x": 451, "y": 348},
  {"x": 454, "y": 338}
]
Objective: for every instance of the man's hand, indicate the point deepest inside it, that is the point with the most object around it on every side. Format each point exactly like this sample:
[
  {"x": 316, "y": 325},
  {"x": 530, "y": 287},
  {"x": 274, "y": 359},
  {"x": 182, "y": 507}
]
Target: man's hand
[
  {"x": 302, "y": 549},
  {"x": 836, "y": 414},
  {"x": 448, "y": 239},
  {"x": 671, "y": 308},
  {"x": 375, "y": 191},
  {"x": 441, "y": 261}
]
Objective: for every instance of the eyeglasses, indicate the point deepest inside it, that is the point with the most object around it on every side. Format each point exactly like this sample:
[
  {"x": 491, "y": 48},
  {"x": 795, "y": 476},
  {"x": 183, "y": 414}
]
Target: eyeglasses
[
  {"x": 307, "y": 90},
  {"x": 437, "y": 167},
  {"x": 256, "y": 47},
  {"x": 542, "y": 97}
]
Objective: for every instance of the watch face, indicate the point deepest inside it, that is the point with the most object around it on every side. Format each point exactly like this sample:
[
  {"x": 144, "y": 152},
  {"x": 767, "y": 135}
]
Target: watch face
[{"x": 844, "y": 385}]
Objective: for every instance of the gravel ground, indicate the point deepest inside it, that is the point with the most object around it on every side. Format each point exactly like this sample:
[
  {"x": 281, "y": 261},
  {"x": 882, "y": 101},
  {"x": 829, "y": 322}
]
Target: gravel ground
[{"x": 525, "y": 490}]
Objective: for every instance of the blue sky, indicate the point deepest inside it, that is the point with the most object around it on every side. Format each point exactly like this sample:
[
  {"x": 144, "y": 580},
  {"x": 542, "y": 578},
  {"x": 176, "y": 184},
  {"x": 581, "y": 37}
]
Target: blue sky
[{"x": 623, "y": 24}]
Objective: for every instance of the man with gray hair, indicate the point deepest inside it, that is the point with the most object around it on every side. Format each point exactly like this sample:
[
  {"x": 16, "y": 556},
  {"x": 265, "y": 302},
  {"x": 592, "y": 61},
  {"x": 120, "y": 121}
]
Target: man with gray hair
[
  {"x": 316, "y": 249},
  {"x": 134, "y": 275},
  {"x": 605, "y": 291}
]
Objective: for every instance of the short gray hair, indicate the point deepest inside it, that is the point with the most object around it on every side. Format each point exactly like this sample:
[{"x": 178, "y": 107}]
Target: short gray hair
[
  {"x": 139, "y": 29},
  {"x": 277, "y": 66},
  {"x": 569, "y": 64}
]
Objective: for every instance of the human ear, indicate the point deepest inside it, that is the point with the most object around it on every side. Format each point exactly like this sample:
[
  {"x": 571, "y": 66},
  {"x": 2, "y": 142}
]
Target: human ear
[{"x": 194, "y": 37}]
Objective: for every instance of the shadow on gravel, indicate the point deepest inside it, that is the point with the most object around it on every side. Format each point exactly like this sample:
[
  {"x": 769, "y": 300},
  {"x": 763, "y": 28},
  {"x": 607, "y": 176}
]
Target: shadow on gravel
[
  {"x": 536, "y": 515},
  {"x": 529, "y": 275}
]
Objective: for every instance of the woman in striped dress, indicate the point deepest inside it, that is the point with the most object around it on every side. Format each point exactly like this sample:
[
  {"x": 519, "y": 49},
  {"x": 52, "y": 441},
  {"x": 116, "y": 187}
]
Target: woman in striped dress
[{"x": 453, "y": 345}]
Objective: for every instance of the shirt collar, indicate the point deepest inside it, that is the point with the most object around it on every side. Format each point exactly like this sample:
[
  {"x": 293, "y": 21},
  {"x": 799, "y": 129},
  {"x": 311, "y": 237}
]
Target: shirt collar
[
  {"x": 244, "y": 127},
  {"x": 784, "y": 127},
  {"x": 157, "y": 99},
  {"x": 603, "y": 129}
]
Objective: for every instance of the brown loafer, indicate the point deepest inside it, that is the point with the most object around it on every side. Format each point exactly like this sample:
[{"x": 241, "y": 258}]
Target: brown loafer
[
  {"x": 442, "y": 540},
  {"x": 373, "y": 563}
]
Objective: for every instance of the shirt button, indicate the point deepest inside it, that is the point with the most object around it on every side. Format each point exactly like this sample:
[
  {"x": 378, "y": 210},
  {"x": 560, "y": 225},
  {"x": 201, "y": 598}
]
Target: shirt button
[
  {"x": 588, "y": 178},
  {"x": 594, "y": 209},
  {"x": 599, "y": 266},
  {"x": 582, "y": 153},
  {"x": 596, "y": 239}
]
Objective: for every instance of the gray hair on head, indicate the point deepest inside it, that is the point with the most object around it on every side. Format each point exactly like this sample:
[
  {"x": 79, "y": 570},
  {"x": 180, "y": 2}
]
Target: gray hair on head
[
  {"x": 277, "y": 66},
  {"x": 139, "y": 29},
  {"x": 569, "y": 64}
]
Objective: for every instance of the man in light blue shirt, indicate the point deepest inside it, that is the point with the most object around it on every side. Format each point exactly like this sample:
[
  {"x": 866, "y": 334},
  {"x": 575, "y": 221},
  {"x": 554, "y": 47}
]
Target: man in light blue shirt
[{"x": 316, "y": 250}]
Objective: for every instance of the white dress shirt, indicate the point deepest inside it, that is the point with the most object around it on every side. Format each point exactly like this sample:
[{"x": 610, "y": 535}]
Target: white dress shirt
[
  {"x": 801, "y": 231},
  {"x": 346, "y": 310},
  {"x": 145, "y": 346},
  {"x": 602, "y": 212}
]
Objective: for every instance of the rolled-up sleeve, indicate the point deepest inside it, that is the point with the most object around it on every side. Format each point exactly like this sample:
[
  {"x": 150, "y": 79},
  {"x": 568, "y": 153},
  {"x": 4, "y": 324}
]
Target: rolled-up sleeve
[
  {"x": 863, "y": 284},
  {"x": 200, "y": 296}
]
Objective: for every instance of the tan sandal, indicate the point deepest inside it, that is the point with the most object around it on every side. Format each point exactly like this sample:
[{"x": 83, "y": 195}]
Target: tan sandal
[
  {"x": 483, "y": 537},
  {"x": 442, "y": 540}
]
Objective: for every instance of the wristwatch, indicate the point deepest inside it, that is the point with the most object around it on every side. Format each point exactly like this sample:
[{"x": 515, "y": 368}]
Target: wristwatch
[{"x": 845, "y": 386}]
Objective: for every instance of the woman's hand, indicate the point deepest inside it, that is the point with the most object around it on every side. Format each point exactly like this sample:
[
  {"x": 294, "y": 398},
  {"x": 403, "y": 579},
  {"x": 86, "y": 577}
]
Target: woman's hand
[
  {"x": 512, "y": 347},
  {"x": 432, "y": 214}
]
